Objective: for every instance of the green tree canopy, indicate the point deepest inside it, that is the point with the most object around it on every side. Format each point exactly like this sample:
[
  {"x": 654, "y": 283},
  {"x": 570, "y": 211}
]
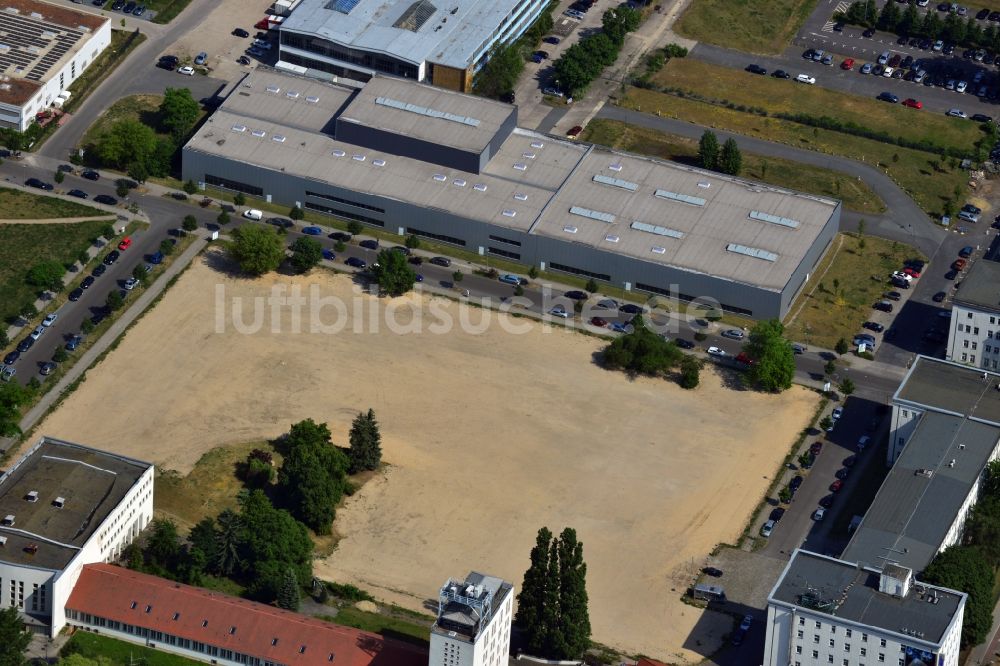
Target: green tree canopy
[
  {"x": 163, "y": 545},
  {"x": 393, "y": 274},
  {"x": 312, "y": 478},
  {"x": 642, "y": 351},
  {"x": 126, "y": 141},
  {"x": 288, "y": 594},
  {"x": 966, "y": 569},
  {"x": 257, "y": 249},
  {"x": 708, "y": 150},
  {"x": 530, "y": 616},
  {"x": 178, "y": 111},
  {"x": 573, "y": 633},
  {"x": 499, "y": 75},
  {"x": 730, "y": 158},
  {"x": 774, "y": 361},
  {"x": 47, "y": 275},
  {"x": 306, "y": 253},
  {"x": 271, "y": 540},
  {"x": 366, "y": 443},
  {"x": 115, "y": 300},
  {"x": 14, "y": 638}
]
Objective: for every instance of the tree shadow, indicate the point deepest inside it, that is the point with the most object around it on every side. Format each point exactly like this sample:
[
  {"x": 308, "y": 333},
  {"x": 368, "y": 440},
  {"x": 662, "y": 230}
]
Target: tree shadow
[{"x": 221, "y": 262}]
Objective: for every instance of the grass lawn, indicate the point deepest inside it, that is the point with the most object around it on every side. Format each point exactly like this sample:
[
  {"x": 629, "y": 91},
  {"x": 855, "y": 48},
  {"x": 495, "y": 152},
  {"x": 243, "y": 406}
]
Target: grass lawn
[
  {"x": 779, "y": 96},
  {"x": 24, "y": 245},
  {"x": 21, "y": 205},
  {"x": 784, "y": 173},
  {"x": 924, "y": 176},
  {"x": 383, "y": 624},
  {"x": 745, "y": 25},
  {"x": 839, "y": 295},
  {"x": 144, "y": 108},
  {"x": 93, "y": 646}
]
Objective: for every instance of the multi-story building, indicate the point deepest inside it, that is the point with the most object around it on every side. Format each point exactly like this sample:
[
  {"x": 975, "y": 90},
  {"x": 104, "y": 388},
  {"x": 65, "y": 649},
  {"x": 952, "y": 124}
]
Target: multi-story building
[
  {"x": 64, "y": 506},
  {"x": 44, "y": 47},
  {"x": 442, "y": 43},
  {"x": 473, "y": 622},
  {"x": 974, "y": 331},
  {"x": 827, "y": 611},
  {"x": 415, "y": 159}
]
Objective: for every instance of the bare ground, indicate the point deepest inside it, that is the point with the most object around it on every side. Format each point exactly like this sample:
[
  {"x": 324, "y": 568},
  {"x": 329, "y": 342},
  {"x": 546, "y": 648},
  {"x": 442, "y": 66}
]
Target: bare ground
[{"x": 488, "y": 436}]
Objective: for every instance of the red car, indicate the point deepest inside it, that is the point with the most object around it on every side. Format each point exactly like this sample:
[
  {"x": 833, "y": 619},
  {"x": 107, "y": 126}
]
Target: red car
[
  {"x": 847, "y": 64},
  {"x": 575, "y": 132},
  {"x": 126, "y": 242},
  {"x": 912, "y": 272},
  {"x": 743, "y": 359},
  {"x": 816, "y": 448},
  {"x": 959, "y": 264},
  {"x": 597, "y": 321},
  {"x": 836, "y": 485},
  {"x": 912, "y": 103}
]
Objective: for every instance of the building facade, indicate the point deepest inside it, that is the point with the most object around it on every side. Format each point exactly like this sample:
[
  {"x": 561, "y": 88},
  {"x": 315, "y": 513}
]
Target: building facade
[
  {"x": 974, "y": 327},
  {"x": 473, "y": 622},
  {"x": 826, "y": 611},
  {"x": 423, "y": 40},
  {"x": 45, "y": 498},
  {"x": 44, "y": 48},
  {"x": 412, "y": 159}
]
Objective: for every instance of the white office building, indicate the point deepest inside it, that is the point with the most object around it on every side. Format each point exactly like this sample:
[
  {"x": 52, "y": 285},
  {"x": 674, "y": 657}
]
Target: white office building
[
  {"x": 473, "y": 622},
  {"x": 827, "y": 611},
  {"x": 64, "y": 506},
  {"x": 974, "y": 331},
  {"x": 44, "y": 48}
]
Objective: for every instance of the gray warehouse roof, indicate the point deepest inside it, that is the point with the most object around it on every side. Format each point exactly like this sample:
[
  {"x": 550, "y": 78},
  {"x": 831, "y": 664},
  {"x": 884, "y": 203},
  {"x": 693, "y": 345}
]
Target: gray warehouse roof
[
  {"x": 660, "y": 212},
  {"x": 845, "y": 591},
  {"x": 981, "y": 287},
  {"x": 427, "y": 112},
  {"x": 924, "y": 492},
  {"x": 91, "y": 484},
  {"x": 944, "y": 386},
  {"x": 450, "y": 33}
]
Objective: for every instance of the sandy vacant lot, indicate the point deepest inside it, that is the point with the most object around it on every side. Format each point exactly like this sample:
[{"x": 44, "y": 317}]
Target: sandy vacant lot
[{"x": 489, "y": 435}]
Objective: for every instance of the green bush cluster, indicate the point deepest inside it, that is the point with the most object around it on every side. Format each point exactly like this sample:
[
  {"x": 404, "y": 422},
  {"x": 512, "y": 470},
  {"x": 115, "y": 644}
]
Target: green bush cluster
[{"x": 583, "y": 62}]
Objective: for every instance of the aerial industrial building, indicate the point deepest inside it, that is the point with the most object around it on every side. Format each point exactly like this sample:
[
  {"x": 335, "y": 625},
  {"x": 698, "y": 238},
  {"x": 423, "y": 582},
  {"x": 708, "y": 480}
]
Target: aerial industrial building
[{"x": 416, "y": 159}]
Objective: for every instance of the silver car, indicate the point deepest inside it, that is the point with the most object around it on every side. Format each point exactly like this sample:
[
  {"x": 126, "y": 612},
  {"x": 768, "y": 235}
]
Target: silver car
[{"x": 733, "y": 334}]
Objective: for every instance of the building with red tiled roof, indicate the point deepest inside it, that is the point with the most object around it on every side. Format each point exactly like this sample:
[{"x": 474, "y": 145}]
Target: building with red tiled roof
[
  {"x": 646, "y": 661},
  {"x": 220, "y": 629}
]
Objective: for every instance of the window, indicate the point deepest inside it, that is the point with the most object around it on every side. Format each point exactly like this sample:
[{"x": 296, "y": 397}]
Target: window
[
  {"x": 864, "y": 638},
  {"x": 800, "y": 635},
  {"x": 965, "y": 357},
  {"x": 225, "y": 183},
  {"x": 881, "y": 656},
  {"x": 975, "y": 330},
  {"x": 975, "y": 344},
  {"x": 972, "y": 359},
  {"x": 579, "y": 271},
  {"x": 816, "y": 638},
  {"x": 848, "y": 631},
  {"x": 504, "y": 253},
  {"x": 802, "y": 621},
  {"x": 881, "y": 643},
  {"x": 847, "y": 647},
  {"x": 508, "y": 241},
  {"x": 356, "y": 204},
  {"x": 815, "y": 654},
  {"x": 965, "y": 343},
  {"x": 832, "y": 643},
  {"x": 798, "y": 649},
  {"x": 320, "y": 208},
  {"x": 440, "y": 237},
  {"x": 829, "y": 658},
  {"x": 969, "y": 315}
]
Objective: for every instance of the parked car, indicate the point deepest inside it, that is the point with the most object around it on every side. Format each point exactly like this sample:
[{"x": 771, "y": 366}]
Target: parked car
[
  {"x": 510, "y": 279},
  {"x": 441, "y": 261},
  {"x": 712, "y": 571},
  {"x": 189, "y": 71},
  {"x": 40, "y": 184},
  {"x": 781, "y": 74},
  {"x": 74, "y": 342},
  {"x": 959, "y": 264},
  {"x": 873, "y": 326},
  {"x": 683, "y": 344},
  {"x": 847, "y": 64},
  {"x": 111, "y": 257},
  {"x": 240, "y": 32},
  {"x": 599, "y": 322},
  {"x": 369, "y": 244},
  {"x": 559, "y": 311},
  {"x": 939, "y": 297},
  {"x": 756, "y": 69},
  {"x": 867, "y": 68},
  {"x": 733, "y": 334},
  {"x": 574, "y": 132},
  {"x": 716, "y": 351},
  {"x": 819, "y": 514},
  {"x": 816, "y": 448},
  {"x": 892, "y": 295},
  {"x": 125, "y": 243},
  {"x": 912, "y": 103},
  {"x": 956, "y": 113},
  {"x": 312, "y": 231},
  {"x": 883, "y": 306},
  {"x": 79, "y": 194},
  {"x": 201, "y": 58},
  {"x": 354, "y": 262},
  {"x": 805, "y": 78},
  {"x": 887, "y": 97},
  {"x": 76, "y": 294}
]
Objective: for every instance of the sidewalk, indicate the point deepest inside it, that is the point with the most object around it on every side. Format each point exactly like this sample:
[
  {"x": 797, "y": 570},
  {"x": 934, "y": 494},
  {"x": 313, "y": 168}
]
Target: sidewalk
[
  {"x": 987, "y": 653},
  {"x": 148, "y": 295}
]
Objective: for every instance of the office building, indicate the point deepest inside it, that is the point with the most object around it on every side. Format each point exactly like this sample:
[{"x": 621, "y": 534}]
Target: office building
[
  {"x": 974, "y": 327},
  {"x": 473, "y": 622}
]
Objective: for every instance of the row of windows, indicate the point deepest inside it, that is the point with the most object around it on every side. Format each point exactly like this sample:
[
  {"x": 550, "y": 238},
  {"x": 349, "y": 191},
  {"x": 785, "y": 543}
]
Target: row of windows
[
  {"x": 356, "y": 204},
  {"x": 579, "y": 271},
  {"x": 505, "y": 241},
  {"x": 348, "y": 55},
  {"x": 227, "y": 184},
  {"x": 967, "y": 358},
  {"x": 320, "y": 208},
  {"x": 504, "y": 253},
  {"x": 451, "y": 240},
  {"x": 687, "y": 298},
  {"x": 845, "y": 662}
]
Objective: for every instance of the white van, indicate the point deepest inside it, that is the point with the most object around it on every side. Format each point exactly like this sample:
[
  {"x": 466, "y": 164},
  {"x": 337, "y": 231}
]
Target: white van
[
  {"x": 805, "y": 78},
  {"x": 253, "y": 214}
]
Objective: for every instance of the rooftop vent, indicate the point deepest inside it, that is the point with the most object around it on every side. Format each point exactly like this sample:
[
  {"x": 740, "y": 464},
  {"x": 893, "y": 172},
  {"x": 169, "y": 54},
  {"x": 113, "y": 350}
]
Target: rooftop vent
[
  {"x": 258, "y": 133},
  {"x": 440, "y": 177},
  {"x": 424, "y": 111},
  {"x": 36, "y": 15},
  {"x": 754, "y": 252},
  {"x": 338, "y": 153},
  {"x": 278, "y": 137},
  {"x": 358, "y": 157},
  {"x": 592, "y": 214},
  {"x": 343, "y": 6},
  {"x": 415, "y": 16},
  {"x": 704, "y": 184},
  {"x": 32, "y": 496},
  {"x": 774, "y": 219},
  {"x": 520, "y": 166},
  {"x": 48, "y": 34},
  {"x": 59, "y": 502},
  {"x": 12, "y": 10},
  {"x": 273, "y": 89},
  {"x": 239, "y": 128},
  {"x": 683, "y": 198},
  {"x": 312, "y": 99},
  {"x": 616, "y": 182},
  {"x": 570, "y": 229},
  {"x": 8, "y": 520},
  {"x": 379, "y": 162},
  {"x": 520, "y": 196},
  {"x": 459, "y": 182},
  {"x": 537, "y": 144},
  {"x": 292, "y": 94},
  {"x": 479, "y": 187},
  {"x": 616, "y": 167},
  {"x": 656, "y": 249},
  {"x": 507, "y": 212},
  {"x": 926, "y": 473},
  {"x": 611, "y": 238},
  {"x": 654, "y": 229},
  {"x": 528, "y": 156},
  {"x": 951, "y": 463}
]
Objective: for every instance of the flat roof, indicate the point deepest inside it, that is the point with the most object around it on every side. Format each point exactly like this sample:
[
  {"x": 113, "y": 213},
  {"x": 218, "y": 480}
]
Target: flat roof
[
  {"x": 703, "y": 222},
  {"x": 924, "y": 491},
  {"x": 981, "y": 286},
  {"x": 415, "y": 31},
  {"x": 40, "y": 37},
  {"x": 847, "y": 592},
  {"x": 300, "y": 102},
  {"x": 427, "y": 112},
  {"x": 91, "y": 484},
  {"x": 946, "y": 386},
  {"x": 463, "y": 604}
]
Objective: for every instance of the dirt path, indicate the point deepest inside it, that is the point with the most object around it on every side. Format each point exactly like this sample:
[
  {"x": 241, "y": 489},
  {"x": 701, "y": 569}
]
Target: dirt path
[{"x": 489, "y": 435}]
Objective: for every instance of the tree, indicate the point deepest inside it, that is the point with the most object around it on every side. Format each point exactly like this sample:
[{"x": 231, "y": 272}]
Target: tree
[
  {"x": 774, "y": 360},
  {"x": 708, "y": 150},
  {"x": 983, "y": 527},
  {"x": 47, "y": 275},
  {"x": 690, "y": 372},
  {"x": 60, "y": 355},
  {"x": 393, "y": 274},
  {"x": 533, "y": 272},
  {"x": 28, "y": 312},
  {"x": 306, "y": 253},
  {"x": 140, "y": 171},
  {"x": 847, "y": 386},
  {"x": 203, "y": 540},
  {"x": 14, "y": 638},
  {"x": 573, "y": 631},
  {"x": 223, "y": 217},
  {"x": 530, "y": 614},
  {"x": 227, "y": 543},
  {"x": 296, "y": 213},
  {"x": 412, "y": 242},
  {"x": 13, "y": 396},
  {"x": 163, "y": 546},
  {"x": 289, "y": 596},
  {"x": 121, "y": 190},
  {"x": 964, "y": 568},
  {"x": 312, "y": 478},
  {"x": 457, "y": 276},
  {"x": 108, "y": 231},
  {"x": 830, "y": 367},
  {"x": 125, "y": 142},
  {"x": 366, "y": 443},
  {"x": 115, "y": 300},
  {"x": 730, "y": 159},
  {"x": 59, "y": 176},
  {"x": 83, "y": 257},
  {"x": 825, "y": 422},
  {"x": 239, "y": 199},
  {"x": 642, "y": 351},
  {"x": 178, "y": 112},
  {"x": 991, "y": 482},
  {"x": 841, "y": 347},
  {"x": 257, "y": 249},
  {"x": 190, "y": 223},
  {"x": 190, "y": 187},
  {"x": 271, "y": 540},
  {"x": 87, "y": 326},
  {"x": 500, "y": 73},
  {"x": 354, "y": 227},
  {"x": 591, "y": 286},
  {"x": 166, "y": 247}
]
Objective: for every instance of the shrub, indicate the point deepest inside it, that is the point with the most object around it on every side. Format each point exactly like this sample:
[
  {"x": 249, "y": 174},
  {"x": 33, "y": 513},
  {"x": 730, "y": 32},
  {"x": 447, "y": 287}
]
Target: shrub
[{"x": 190, "y": 187}]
